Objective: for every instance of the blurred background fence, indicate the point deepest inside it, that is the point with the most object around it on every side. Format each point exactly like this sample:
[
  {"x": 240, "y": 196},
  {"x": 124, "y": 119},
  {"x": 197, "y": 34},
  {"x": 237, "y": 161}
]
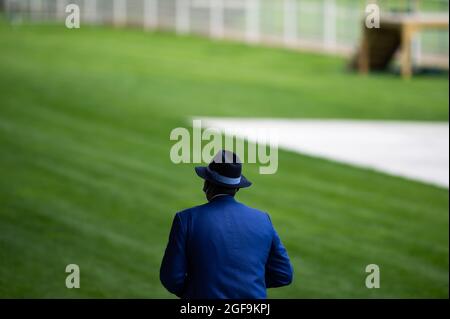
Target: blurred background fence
[{"x": 332, "y": 26}]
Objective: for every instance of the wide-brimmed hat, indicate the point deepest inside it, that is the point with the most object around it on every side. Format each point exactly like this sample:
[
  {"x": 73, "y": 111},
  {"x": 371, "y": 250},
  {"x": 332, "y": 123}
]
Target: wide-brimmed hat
[{"x": 224, "y": 170}]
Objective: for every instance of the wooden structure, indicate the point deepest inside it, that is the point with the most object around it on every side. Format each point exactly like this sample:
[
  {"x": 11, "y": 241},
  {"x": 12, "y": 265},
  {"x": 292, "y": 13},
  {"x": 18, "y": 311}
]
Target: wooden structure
[{"x": 396, "y": 31}]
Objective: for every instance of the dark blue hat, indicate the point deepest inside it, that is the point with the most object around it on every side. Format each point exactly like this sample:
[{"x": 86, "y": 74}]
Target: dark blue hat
[{"x": 224, "y": 170}]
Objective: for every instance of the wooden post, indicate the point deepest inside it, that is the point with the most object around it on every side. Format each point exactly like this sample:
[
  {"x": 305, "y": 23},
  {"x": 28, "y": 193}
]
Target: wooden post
[
  {"x": 363, "y": 57},
  {"x": 406, "y": 51}
]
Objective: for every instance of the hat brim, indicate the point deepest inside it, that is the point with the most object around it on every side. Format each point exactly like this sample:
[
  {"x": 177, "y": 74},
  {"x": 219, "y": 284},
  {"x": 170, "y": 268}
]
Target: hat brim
[{"x": 203, "y": 173}]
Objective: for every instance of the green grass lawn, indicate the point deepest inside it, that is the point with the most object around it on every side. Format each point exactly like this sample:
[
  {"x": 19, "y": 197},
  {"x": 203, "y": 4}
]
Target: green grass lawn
[{"x": 85, "y": 174}]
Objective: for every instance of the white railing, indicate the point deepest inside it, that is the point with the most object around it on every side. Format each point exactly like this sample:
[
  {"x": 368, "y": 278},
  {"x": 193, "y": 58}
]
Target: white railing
[{"x": 332, "y": 26}]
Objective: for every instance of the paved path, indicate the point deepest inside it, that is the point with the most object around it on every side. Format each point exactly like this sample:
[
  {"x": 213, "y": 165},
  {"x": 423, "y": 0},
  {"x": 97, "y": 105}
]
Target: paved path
[{"x": 415, "y": 150}]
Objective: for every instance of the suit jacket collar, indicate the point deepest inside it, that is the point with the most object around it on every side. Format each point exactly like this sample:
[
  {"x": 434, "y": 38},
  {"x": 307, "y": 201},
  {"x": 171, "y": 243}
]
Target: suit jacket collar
[{"x": 222, "y": 197}]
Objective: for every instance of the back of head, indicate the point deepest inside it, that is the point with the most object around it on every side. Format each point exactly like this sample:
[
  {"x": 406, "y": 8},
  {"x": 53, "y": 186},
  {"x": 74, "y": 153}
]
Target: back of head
[{"x": 211, "y": 190}]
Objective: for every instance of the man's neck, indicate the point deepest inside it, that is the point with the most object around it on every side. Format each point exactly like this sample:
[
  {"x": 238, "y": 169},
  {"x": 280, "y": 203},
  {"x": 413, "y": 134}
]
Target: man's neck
[{"x": 218, "y": 195}]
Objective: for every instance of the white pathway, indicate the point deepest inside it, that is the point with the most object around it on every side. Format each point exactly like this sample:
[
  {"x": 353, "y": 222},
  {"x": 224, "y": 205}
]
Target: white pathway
[{"x": 415, "y": 150}]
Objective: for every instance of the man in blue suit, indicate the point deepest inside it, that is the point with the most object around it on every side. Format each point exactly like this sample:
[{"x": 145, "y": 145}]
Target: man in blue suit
[{"x": 223, "y": 249}]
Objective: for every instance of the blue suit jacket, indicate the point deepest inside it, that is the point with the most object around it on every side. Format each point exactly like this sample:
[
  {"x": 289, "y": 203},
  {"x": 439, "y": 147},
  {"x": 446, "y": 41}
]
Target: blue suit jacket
[{"x": 224, "y": 249}]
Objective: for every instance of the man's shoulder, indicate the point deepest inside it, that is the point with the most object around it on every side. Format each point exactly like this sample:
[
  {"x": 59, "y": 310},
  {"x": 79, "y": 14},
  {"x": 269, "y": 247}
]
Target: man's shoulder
[
  {"x": 254, "y": 210},
  {"x": 189, "y": 210}
]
